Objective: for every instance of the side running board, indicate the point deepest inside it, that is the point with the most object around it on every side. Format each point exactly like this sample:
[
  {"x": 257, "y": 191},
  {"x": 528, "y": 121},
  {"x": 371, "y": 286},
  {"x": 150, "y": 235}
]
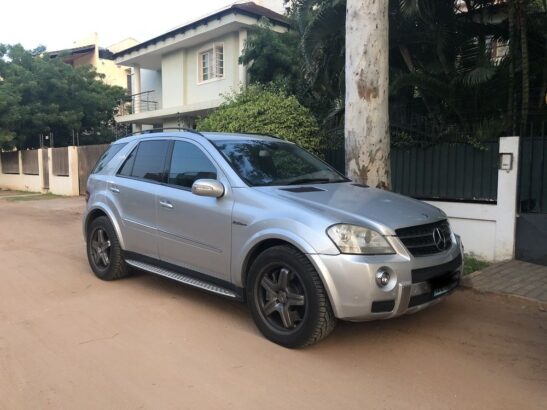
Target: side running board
[{"x": 179, "y": 277}]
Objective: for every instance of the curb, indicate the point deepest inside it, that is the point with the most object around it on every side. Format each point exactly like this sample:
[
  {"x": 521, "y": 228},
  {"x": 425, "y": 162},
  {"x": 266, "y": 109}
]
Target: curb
[{"x": 467, "y": 282}]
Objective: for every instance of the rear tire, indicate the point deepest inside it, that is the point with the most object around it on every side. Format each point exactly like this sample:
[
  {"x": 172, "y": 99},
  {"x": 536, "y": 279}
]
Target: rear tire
[
  {"x": 104, "y": 252},
  {"x": 287, "y": 298}
]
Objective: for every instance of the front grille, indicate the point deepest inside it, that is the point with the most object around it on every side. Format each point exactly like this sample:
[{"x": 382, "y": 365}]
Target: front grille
[{"x": 424, "y": 240}]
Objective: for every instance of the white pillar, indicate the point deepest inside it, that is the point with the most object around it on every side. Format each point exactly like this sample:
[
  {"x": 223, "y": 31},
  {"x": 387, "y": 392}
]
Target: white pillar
[
  {"x": 20, "y": 159},
  {"x": 73, "y": 171},
  {"x": 506, "y": 209},
  {"x": 136, "y": 89},
  {"x": 242, "y": 68}
]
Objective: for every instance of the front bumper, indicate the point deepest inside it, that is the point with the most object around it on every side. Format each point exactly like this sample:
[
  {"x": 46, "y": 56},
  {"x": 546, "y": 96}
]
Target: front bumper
[{"x": 415, "y": 282}]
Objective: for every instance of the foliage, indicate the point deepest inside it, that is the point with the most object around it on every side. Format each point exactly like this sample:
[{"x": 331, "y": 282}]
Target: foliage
[
  {"x": 472, "y": 264},
  {"x": 444, "y": 67},
  {"x": 39, "y": 95},
  {"x": 264, "y": 110},
  {"x": 271, "y": 56}
]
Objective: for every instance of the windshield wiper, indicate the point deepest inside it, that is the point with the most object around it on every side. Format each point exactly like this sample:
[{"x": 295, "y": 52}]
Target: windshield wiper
[{"x": 310, "y": 181}]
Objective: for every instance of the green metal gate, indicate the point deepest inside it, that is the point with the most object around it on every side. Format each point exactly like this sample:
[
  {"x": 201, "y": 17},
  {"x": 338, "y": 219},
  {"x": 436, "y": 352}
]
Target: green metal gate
[{"x": 531, "y": 238}]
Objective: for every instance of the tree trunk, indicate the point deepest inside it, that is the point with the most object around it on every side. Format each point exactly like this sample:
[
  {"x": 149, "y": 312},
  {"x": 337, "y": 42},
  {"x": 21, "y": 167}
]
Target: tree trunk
[
  {"x": 367, "y": 81},
  {"x": 525, "y": 69},
  {"x": 512, "y": 55}
]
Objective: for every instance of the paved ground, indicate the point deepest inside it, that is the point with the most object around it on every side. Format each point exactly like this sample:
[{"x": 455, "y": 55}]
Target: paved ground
[
  {"x": 512, "y": 277},
  {"x": 68, "y": 340}
]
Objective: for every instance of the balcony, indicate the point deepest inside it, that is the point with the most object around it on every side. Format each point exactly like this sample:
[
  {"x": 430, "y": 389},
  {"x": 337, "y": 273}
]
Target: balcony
[{"x": 137, "y": 103}]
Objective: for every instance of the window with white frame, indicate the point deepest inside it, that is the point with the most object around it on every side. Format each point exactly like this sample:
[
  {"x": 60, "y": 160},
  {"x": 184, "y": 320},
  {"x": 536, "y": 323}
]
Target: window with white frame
[{"x": 211, "y": 63}]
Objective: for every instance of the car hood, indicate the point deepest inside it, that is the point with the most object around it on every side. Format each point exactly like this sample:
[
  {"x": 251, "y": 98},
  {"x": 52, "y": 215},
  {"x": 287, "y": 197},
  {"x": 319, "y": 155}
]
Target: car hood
[{"x": 358, "y": 204}]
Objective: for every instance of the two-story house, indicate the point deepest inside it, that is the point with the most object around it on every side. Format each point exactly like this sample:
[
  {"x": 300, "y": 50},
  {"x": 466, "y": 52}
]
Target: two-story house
[{"x": 182, "y": 74}]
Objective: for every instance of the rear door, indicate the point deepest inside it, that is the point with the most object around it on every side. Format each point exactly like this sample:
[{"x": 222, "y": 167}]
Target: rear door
[
  {"x": 134, "y": 191},
  {"x": 194, "y": 232}
]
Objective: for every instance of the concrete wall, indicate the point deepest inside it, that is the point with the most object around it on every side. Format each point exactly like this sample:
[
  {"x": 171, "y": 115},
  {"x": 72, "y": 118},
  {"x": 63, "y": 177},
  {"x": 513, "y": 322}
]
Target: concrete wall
[
  {"x": 488, "y": 231},
  {"x": 172, "y": 75},
  {"x": 113, "y": 73},
  {"x": 65, "y": 185},
  {"x": 22, "y": 182},
  {"x": 58, "y": 185},
  {"x": 151, "y": 80}
]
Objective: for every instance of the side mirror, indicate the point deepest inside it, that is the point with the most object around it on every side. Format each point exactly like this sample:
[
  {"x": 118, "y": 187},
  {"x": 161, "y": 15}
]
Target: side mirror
[{"x": 208, "y": 187}]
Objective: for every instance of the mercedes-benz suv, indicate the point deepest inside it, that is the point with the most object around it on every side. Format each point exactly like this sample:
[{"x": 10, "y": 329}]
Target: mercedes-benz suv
[{"x": 257, "y": 218}]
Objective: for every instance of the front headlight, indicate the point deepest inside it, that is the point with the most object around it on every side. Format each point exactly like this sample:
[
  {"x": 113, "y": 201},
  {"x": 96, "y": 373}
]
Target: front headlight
[{"x": 358, "y": 240}]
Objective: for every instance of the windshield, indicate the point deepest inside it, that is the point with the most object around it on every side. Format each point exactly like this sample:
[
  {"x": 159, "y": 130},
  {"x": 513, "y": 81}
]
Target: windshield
[{"x": 261, "y": 163}]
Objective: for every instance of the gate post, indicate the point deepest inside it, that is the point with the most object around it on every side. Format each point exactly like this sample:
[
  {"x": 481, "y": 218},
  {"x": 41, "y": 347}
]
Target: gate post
[
  {"x": 73, "y": 170},
  {"x": 506, "y": 210}
]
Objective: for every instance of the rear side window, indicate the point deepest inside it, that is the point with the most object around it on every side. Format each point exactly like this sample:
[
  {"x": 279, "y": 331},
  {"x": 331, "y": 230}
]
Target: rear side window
[
  {"x": 107, "y": 156},
  {"x": 189, "y": 163},
  {"x": 147, "y": 161}
]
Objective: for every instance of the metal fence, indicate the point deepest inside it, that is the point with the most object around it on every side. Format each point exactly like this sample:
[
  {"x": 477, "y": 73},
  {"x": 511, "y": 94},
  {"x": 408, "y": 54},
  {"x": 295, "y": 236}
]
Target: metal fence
[
  {"x": 10, "y": 162},
  {"x": 30, "y": 162},
  {"x": 59, "y": 159},
  {"x": 533, "y": 171},
  {"x": 447, "y": 171},
  {"x": 457, "y": 172}
]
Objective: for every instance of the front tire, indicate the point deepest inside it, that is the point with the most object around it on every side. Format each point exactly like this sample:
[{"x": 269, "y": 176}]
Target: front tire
[
  {"x": 104, "y": 252},
  {"x": 287, "y": 298}
]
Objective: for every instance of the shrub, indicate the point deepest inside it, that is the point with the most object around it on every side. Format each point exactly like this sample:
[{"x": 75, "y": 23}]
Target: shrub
[{"x": 265, "y": 110}]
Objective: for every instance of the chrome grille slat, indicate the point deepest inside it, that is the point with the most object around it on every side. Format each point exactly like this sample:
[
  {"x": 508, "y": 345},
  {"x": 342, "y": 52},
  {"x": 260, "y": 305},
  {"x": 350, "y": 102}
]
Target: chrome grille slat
[{"x": 419, "y": 239}]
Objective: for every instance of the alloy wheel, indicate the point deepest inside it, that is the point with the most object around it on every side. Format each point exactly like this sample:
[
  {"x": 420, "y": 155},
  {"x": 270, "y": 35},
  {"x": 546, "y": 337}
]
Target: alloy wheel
[
  {"x": 282, "y": 299},
  {"x": 100, "y": 248}
]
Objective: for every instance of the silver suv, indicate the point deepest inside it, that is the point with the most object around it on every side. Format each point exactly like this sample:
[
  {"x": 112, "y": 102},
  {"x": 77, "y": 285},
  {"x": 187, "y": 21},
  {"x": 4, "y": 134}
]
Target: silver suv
[{"x": 256, "y": 218}]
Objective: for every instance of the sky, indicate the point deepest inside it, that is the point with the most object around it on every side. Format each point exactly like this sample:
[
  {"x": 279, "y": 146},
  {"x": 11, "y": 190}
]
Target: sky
[{"x": 57, "y": 23}]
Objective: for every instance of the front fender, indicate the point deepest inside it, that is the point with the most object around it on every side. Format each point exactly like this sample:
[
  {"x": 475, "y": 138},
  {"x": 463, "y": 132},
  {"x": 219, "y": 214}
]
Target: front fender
[{"x": 242, "y": 252}]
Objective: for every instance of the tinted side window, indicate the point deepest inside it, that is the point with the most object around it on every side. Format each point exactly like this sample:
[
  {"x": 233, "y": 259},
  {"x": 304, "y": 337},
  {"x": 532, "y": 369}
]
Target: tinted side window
[
  {"x": 107, "y": 156},
  {"x": 148, "y": 162},
  {"x": 127, "y": 166},
  {"x": 189, "y": 163}
]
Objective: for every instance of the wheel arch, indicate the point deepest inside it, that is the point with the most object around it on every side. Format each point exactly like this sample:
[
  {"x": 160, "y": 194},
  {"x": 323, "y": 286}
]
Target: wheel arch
[{"x": 97, "y": 212}]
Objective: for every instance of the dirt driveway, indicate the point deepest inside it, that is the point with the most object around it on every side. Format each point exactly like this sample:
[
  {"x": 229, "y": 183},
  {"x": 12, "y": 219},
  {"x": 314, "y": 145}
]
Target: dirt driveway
[{"x": 68, "y": 340}]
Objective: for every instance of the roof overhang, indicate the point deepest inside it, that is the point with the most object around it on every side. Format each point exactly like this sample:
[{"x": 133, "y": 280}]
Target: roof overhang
[{"x": 148, "y": 54}]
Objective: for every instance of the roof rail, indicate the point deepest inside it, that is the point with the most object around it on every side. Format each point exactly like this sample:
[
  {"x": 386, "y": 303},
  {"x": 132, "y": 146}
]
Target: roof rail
[
  {"x": 260, "y": 133},
  {"x": 161, "y": 129}
]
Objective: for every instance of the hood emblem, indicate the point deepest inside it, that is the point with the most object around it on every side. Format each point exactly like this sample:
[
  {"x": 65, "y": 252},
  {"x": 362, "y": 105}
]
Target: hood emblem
[
  {"x": 439, "y": 239},
  {"x": 426, "y": 216}
]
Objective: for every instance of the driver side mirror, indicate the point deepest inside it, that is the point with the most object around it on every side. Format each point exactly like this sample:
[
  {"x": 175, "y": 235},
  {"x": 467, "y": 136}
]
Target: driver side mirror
[{"x": 208, "y": 187}]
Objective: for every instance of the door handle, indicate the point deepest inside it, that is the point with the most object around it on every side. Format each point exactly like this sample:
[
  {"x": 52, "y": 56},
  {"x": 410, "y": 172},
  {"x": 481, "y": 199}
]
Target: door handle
[
  {"x": 115, "y": 189},
  {"x": 166, "y": 204}
]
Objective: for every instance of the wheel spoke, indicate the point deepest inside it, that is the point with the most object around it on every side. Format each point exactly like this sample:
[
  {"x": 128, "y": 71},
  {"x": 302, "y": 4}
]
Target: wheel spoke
[
  {"x": 101, "y": 237},
  {"x": 283, "y": 278},
  {"x": 106, "y": 245},
  {"x": 295, "y": 316},
  {"x": 270, "y": 307},
  {"x": 268, "y": 285},
  {"x": 105, "y": 258},
  {"x": 286, "y": 317},
  {"x": 294, "y": 299},
  {"x": 95, "y": 255}
]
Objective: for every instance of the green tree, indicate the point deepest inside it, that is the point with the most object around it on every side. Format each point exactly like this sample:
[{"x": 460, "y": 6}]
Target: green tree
[
  {"x": 265, "y": 110},
  {"x": 446, "y": 78},
  {"x": 39, "y": 95}
]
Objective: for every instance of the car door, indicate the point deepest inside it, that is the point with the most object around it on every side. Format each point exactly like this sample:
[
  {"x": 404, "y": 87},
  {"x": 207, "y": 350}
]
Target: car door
[
  {"x": 134, "y": 191},
  {"x": 194, "y": 232}
]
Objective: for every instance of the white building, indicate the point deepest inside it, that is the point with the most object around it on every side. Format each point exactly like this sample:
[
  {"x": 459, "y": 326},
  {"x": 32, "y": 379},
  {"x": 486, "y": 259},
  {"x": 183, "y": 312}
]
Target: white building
[{"x": 182, "y": 74}]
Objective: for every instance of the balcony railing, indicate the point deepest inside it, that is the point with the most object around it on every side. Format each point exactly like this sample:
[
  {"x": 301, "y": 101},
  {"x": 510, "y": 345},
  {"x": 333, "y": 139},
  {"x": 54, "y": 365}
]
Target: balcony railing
[{"x": 135, "y": 103}]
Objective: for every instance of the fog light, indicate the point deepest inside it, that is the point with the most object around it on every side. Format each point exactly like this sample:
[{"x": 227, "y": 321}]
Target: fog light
[{"x": 382, "y": 278}]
